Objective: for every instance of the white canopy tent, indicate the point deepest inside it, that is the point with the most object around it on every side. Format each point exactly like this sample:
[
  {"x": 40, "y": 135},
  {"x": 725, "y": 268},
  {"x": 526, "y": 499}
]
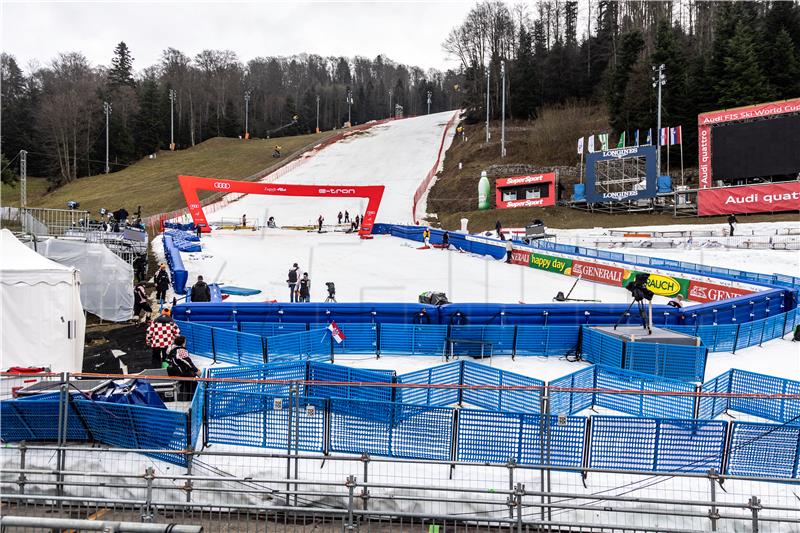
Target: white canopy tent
[{"x": 41, "y": 316}]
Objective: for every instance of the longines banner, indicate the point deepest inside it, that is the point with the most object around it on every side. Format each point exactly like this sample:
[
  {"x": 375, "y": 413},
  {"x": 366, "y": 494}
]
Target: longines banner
[{"x": 645, "y": 189}]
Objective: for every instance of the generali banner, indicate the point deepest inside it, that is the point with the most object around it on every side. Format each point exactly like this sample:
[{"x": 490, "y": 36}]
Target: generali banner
[
  {"x": 749, "y": 199},
  {"x": 597, "y": 272},
  {"x": 700, "y": 291}
]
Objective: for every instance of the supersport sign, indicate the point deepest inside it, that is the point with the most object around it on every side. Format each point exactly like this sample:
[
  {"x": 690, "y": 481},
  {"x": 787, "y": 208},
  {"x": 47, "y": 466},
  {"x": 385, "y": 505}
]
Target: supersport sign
[{"x": 191, "y": 184}]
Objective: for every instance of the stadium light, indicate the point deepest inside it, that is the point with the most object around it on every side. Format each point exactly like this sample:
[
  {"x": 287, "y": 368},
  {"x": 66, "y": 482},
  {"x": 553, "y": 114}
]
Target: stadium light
[
  {"x": 107, "y": 110},
  {"x": 503, "y": 112},
  {"x": 429, "y": 102},
  {"x": 659, "y": 79},
  {"x": 172, "y": 96},
  {"x": 246, "y": 114}
]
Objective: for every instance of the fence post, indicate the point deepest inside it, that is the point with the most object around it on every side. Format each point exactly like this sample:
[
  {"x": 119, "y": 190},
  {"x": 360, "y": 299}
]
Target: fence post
[
  {"x": 23, "y": 448},
  {"x": 736, "y": 339},
  {"x": 511, "y": 500},
  {"x": 696, "y": 409},
  {"x": 514, "y": 344},
  {"x": 377, "y": 340},
  {"x": 454, "y": 441},
  {"x": 147, "y": 510},
  {"x": 289, "y": 444},
  {"x": 187, "y": 486},
  {"x": 365, "y": 491},
  {"x": 63, "y": 425},
  {"x": 713, "y": 512},
  {"x": 265, "y": 349},
  {"x": 351, "y": 485},
  {"x": 519, "y": 492},
  {"x": 754, "y": 504},
  {"x": 213, "y": 346}
]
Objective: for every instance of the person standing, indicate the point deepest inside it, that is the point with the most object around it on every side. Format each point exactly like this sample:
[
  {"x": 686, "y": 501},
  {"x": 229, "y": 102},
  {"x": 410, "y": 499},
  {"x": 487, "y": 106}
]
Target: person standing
[
  {"x": 346, "y": 216},
  {"x": 200, "y": 291},
  {"x": 180, "y": 364},
  {"x": 162, "y": 283},
  {"x": 160, "y": 335},
  {"x": 140, "y": 303},
  {"x": 339, "y": 216},
  {"x": 305, "y": 288},
  {"x": 732, "y": 223},
  {"x": 426, "y": 237},
  {"x": 445, "y": 241},
  {"x": 320, "y": 220},
  {"x": 244, "y": 221},
  {"x": 292, "y": 282},
  {"x": 140, "y": 267},
  {"x": 499, "y": 228},
  {"x": 509, "y": 251},
  {"x": 198, "y": 231}
]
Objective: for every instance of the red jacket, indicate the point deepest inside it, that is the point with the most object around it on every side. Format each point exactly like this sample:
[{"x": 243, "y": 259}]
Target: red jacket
[{"x": 161, "y": 332}]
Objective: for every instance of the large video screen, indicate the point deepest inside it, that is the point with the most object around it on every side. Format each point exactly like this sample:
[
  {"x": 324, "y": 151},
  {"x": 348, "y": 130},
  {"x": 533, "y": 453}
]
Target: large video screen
[{"x": 761, "y": 148}]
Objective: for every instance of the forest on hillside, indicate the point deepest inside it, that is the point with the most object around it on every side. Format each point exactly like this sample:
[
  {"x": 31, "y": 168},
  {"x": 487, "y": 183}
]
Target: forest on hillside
[
  {"x": 717, "y": 54},
  {"x": 56, "y": 112}
]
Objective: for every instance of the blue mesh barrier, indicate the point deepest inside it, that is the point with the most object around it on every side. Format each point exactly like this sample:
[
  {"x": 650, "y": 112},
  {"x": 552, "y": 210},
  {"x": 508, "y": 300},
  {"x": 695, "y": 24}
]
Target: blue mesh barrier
[
  {"x": 546, "y": 340},
  {"x": 312, "y": 345},
  {"x": 550, "y": 441},
  {"x": 37, "y": 420},
  {"x": 226, "y": 324},
  {"x": 358, "y": 338},
  {"x": 343, "y": 374},
  {"x": 487, "y": 437},
  {"x": 475, "y": 374},
  {"x": 763, "y": 450},
  {"x": 776, "y": 409},
  {"x": 282, "y": 371},
  {"x": 713, "y": 406},
  {"x": 197, "y": 413},
  {"x": 623, "y": 443},
  {"x": 238, "y": 348},
  {"x": 448, "y": 374},
  {"x": 270, "y": 329},
  {"x": 686, "y": 363},
  {"x": 570, "y": 403},
  {"x": 198, "y": 338},
  {"x": 390, "y": 429},
  {"x": 413, "y": 339},
  {"x": 644, "y": 405},
  {"x": 690, "y": 445},
  {"x": 498, "y": 340},
  {"x": 601, "y": 349}
]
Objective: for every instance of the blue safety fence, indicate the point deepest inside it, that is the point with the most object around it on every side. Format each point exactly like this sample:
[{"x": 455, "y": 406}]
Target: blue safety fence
[
  {"x": 526, "y": 399},
  {"x": 487, "y": 437},
  {"x": 732, "y": 337},
  {"x": 643, "y": 405},
  {"x": 546, "y": 340},
  {"x": 448, "y": 374},
  {"x": 391, "y": 429},
  {"x": 742, "y": 382},
  {"x": 184, "y": 241},
  {"x": 570, "y": 402},
  {"x": 365, "y": 390},
  {"x": 757, "y": 449},
  {"x": 412, "y": 339},
  {"x": 197, "y": 412},
  {"x": 652, "y": 444},
  {"x": 314, "y": 345},
  {"x": 33, "y": 419},
  {"x": 481, "y": 340},
  {"x": 685, "y": 363},
  {"x": 270, "y": 329},
  {"x": 223, "y": 344},
  {"x": 177, "y": 271}
]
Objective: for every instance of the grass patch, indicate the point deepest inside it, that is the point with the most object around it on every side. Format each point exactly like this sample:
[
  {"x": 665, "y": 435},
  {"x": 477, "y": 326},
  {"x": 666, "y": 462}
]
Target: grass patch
[
  {"x": 153, "y": 184},
  {"x": 37, "y": 187}
]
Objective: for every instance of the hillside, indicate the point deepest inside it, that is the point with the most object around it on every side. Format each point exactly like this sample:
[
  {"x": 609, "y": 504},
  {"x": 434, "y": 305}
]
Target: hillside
[
  {"x": 152, "y": 183},
  {"x": 547, "y": 142}
]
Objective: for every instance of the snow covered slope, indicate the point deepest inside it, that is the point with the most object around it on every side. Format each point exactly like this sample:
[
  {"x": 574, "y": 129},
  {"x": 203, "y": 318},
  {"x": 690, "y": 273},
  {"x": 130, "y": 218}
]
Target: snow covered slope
[{"x": 397, "y": 154}]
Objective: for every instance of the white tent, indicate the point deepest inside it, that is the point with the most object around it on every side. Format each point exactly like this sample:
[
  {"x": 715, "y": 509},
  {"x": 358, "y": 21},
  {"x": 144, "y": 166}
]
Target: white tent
[
  {"x": 106, "y": 279},
  {"x": 41, "y": 317}
]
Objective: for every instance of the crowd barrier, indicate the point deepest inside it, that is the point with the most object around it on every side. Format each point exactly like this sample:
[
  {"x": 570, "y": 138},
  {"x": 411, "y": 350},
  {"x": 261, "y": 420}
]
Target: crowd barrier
[
  {"x": 422, "y": 188},
  {"x": 735, "y": 381},
  {"x": 177, "y": 271},
  {"x": 732, "y": 337},
  {"x": 184, "y": 241}
]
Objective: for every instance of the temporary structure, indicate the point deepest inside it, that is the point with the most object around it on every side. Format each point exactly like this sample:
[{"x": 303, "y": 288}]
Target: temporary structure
[
  {"x": 41, "y": 317},
  {"x": 106, "y": 279}
]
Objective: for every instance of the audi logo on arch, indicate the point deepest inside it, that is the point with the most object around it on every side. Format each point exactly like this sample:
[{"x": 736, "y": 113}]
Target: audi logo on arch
[
  {"x": 222, "y": 185},
  {"x": 337, "y": 191},
  {"x": 194, "y": 206}
]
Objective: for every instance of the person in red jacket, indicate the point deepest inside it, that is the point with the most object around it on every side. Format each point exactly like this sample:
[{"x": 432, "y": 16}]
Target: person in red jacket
[{"x": 160, "y": 335}]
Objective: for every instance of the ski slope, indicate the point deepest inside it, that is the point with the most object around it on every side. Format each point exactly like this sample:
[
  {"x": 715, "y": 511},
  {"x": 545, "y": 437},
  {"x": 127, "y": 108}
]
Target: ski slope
[{"x": 397, "y": 154}]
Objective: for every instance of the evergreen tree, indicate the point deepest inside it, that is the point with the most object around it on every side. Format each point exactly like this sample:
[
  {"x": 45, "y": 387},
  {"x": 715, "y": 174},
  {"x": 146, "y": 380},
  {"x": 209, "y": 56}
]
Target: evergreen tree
[
  {"x": 522, "y": 97},
  {"x": 148, "y": 119},
  {"x": 782, "y": 67},
  {"x": 230, "y": 125},
  {"x": 631, "y": 44},
  {"x": 8, "y": 175},
  {"x": 741, "y": 81},
  {"x": 121, "y": 71}
]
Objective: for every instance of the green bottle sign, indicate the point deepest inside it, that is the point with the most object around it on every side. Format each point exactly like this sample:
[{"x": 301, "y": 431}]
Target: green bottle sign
[{"x": 483, "y": 191}]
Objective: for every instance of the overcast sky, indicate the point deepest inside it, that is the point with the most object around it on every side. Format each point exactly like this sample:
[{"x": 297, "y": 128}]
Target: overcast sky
[{"x": 407, "y": 32}]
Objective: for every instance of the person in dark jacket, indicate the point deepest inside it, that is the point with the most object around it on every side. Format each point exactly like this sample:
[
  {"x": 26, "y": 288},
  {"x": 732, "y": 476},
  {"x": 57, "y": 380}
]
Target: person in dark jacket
[
  {"x": 305, "y": 288},
  {"x": 320, "y": 220},
  {"x": 200, "y": 291},
  {"x": 162, "y": 283},
  {"x": 140, "y": 303},
  {"x": 292, "y": 282},
  {"x": 140, "y": 267},
  {"x": 732, "y": 223},
  {"x": 339, "y": 216},
  {"x": 346, "y": 217},
  {"x": 445, "y": 241},
  {"x": 499, "y": 228},
  {"x": 180, "y": 364}
]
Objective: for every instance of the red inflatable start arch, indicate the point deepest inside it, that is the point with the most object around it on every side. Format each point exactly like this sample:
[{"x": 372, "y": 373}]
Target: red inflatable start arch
[{"x": 191, "y": 184}]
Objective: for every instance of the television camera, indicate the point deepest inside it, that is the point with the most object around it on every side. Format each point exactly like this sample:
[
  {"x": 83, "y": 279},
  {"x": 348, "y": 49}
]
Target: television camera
[{"x": 641, "y": 294}]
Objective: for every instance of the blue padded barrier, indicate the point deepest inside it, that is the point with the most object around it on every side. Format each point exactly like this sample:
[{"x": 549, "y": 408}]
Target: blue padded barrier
[
  {"x": 183, "y": 240},
  {"x": 312, "y": 345},
  {"x": 570, "y": 403},
  {"x": 686, "y": 363},
  {"x": 448, "y": 374},
  {"x": 260, "y": 424},
  {"x": 178, "y": 272},
  {"x": 644, "y": 405},
  {"x": 343, "y": 374},
  {"x": 763, "y": 450},
  {"x": 390, "y": 429},
  {"x": 546, "y": 340},
  {"x": 270, "y": 329},
  {"x": 601, "y": 349},
  {"x": 411, "y": 339}
]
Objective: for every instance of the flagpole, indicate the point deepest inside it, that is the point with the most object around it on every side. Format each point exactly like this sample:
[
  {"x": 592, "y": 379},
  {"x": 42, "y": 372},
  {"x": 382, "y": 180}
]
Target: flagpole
[
  {"x": 581, "y": 169},
  {"x": 681, "y": 158},
  {"x": 668, "y": 146}
]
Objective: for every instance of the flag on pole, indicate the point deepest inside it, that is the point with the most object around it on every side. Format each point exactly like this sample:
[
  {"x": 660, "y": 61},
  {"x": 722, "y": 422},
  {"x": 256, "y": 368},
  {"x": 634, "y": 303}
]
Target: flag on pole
[
  {"x": 591, "y": 143},
  {"x": 580, "y": 145},
  {"x": 336, "y": 333},
  {"x": 636, "y": 138},
  {"x": 650, "y": 136},
  {"x": 663, "y": 138},
  {"x": 603, "y": 141},
  {"x": 621, "y": 143},
  {"x": 675, "y": 135}
]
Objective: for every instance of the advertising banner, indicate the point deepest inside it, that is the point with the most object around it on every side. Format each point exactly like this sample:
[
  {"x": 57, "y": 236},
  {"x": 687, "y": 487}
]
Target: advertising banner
[
  {"x": 661, "y": 284},
  {"x": 546, "y": 180},
  {"x": 520, "y": 257},
  {"x": 700, "y": 291},
  {"x": 599, "y": 273},
  {"x": 647, "y": 188},
  {"x": 559, "y": 265},
  {"x": 783, "y": 196}
]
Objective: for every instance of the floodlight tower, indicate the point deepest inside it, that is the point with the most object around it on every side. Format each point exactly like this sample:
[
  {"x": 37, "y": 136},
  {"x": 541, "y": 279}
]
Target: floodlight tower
[
  {"x": 107, "y": 110},
  {"x": 659, "y": 80}
]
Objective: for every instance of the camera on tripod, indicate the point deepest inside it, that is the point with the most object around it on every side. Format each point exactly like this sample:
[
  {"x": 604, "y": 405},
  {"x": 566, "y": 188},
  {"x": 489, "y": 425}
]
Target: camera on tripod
[
  {"x": 638, "y": 287},
  {"x": 331, "y": 291}
]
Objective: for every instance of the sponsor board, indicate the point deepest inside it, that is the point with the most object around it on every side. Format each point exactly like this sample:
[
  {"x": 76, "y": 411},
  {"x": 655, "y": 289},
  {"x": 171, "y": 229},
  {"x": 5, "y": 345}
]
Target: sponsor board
[
  {"x": 661, "y": 284},
  {"x": 783, "y": 196},
  {"x": 551, "y": 263},
  {"x": 700, "y": 291},
  {"x": 521, "y": 257},
  {"x": 548, "y": 179},
  {"x": 600, "y": 273}
]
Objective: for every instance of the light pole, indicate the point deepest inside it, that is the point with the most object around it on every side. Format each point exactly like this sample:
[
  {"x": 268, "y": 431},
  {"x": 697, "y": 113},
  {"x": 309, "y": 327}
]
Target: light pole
[
  {"x": 349, "y": 103},
  {"x": 659, "y": 80},
  {"x": 429, "y": 102},
  {"x": 487, "y": 105},
  {"x": 503, "y": 112},
  {"x": 172, "y": 96},
  {"x": 317, "y": 113},
  {"x": 23, "y": 178},
  {"x": 247, "y": 114},
  {"x": 390, "y": 103},
  {"x": 107, "y": 109}
]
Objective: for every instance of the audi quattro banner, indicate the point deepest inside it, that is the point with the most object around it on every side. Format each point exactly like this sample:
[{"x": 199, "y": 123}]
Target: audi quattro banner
[{"x": 771, "y": 197}]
